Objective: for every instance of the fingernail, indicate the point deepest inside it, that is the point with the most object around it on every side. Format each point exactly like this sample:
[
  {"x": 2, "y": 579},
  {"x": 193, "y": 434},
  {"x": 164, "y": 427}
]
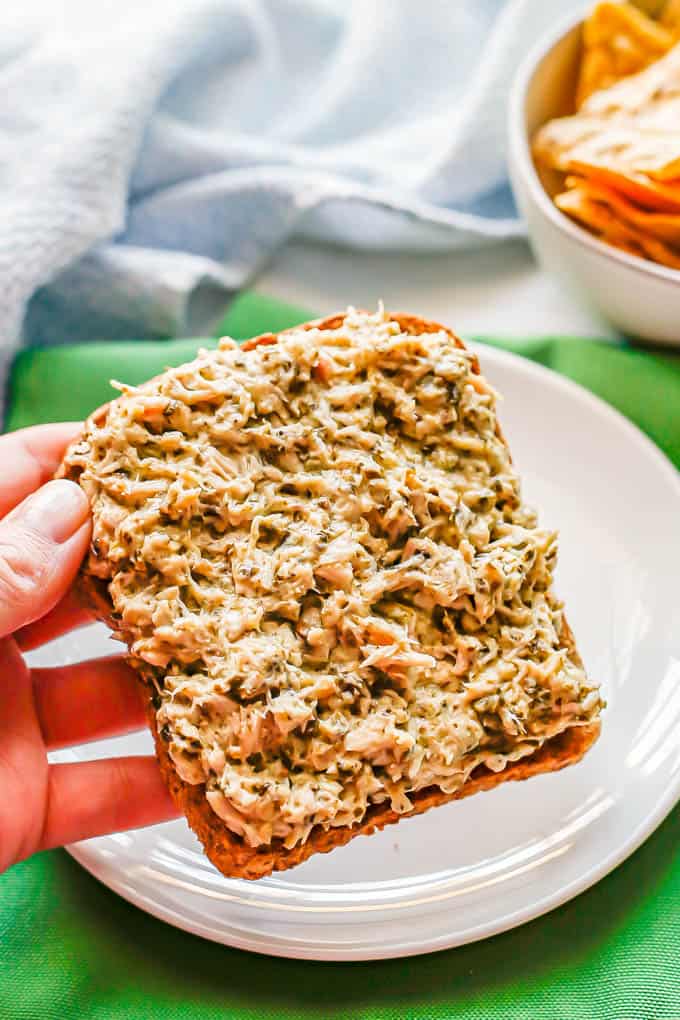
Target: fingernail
[{"x": 56, "y": 510}]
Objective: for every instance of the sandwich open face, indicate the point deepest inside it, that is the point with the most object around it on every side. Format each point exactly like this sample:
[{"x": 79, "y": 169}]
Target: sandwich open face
[{"x": 315, "y": 547}]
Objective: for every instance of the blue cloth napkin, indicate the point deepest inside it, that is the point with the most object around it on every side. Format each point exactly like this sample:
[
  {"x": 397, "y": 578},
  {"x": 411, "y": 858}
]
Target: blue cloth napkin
[{"x": 152, "y": 162}]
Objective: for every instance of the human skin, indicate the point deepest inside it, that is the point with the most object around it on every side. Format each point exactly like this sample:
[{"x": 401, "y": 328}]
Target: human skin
[{"x": 44, "y": 534}]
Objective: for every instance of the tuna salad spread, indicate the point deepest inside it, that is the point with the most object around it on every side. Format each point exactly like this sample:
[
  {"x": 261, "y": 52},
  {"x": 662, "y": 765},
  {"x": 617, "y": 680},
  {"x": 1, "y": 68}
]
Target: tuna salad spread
[{"x": 318, "y": 552}]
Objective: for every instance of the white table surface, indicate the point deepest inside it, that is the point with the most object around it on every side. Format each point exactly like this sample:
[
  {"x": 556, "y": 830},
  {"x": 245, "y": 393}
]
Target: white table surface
[{"x": 498, "y": 291}]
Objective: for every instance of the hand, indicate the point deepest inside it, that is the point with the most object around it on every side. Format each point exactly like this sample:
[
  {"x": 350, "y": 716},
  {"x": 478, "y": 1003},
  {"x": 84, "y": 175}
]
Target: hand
[{"x": 43, "y": 537}]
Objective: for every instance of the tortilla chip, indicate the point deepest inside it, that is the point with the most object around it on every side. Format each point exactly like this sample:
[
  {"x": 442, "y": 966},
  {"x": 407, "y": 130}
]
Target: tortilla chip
[
  {"x": 662, "y": 226},
  {"x": 618, "y": 40},
  {"x": 577, "y": 204},
  {"x": 649, "y": 194},
  {"x": 630, "y": 249},
  {"x": 659, "y": 252},
  {"x": 650, "y": 97},
  {"x": 632, "y": 127},
  {"x": 670, "y": 15},
  {"x": 611, "y": 143},
  {"x": 652, "y": 8},
  {"x": 612, "y": 229}
]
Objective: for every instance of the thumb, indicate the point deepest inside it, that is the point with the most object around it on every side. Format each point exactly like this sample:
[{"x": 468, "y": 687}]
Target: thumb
[{"x": 42, "y": 542}]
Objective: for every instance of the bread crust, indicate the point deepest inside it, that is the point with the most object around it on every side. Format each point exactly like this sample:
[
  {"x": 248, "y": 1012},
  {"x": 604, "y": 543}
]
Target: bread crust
[{"x": 229, "y": 852}]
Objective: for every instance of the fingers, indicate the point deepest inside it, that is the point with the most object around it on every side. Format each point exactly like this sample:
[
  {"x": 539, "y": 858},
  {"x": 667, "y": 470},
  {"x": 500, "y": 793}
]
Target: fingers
[
  {"x": 23, "y": 764},
  {"x": 66, "y": 615},
  {"x": 87, "y": 701},
  {"x": 30, "y": 457},
  {"x": 91, "y": 798},
  {"x": 42, "y": 542}
]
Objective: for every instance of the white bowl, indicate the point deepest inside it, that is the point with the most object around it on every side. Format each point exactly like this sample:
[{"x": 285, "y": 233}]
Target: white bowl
[{"x": 641, "y": 298}]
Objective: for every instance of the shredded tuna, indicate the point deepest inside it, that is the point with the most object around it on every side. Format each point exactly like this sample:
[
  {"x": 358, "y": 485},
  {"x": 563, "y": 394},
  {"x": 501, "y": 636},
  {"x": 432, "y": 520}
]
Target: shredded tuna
[{"x": 320, "y": 549}]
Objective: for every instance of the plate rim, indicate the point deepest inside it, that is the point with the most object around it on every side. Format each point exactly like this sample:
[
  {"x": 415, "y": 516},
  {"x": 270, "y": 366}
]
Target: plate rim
[{"x": 537, "y": 908}]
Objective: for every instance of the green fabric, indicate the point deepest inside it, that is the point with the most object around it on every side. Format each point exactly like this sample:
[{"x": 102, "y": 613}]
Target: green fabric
[{"x": 70, "y": 948}]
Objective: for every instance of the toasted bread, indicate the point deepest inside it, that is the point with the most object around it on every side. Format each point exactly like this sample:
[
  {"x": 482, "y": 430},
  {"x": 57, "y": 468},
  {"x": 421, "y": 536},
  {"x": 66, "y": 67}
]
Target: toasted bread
[{"x": 229, "y": 852}]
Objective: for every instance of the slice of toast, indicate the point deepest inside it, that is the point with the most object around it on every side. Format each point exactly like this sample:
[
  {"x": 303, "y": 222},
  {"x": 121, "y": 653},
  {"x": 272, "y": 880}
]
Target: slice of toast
[{"x": 230, "y": 852}]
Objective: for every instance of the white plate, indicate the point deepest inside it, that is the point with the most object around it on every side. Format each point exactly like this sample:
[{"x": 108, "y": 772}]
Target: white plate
[{"x": 475, "y": 868}]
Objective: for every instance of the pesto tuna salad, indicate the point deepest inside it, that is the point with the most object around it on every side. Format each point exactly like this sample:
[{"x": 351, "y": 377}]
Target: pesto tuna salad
[{"x": 318, "y": 553}]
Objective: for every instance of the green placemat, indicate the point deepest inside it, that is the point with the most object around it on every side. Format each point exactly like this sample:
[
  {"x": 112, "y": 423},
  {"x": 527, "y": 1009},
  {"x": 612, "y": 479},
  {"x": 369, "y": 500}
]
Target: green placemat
[{"x": 69, "y": 948}]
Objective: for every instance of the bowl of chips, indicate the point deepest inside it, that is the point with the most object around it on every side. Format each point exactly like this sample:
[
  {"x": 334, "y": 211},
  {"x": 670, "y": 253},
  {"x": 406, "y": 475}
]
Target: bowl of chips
[{"x": 594, "y": 153}]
